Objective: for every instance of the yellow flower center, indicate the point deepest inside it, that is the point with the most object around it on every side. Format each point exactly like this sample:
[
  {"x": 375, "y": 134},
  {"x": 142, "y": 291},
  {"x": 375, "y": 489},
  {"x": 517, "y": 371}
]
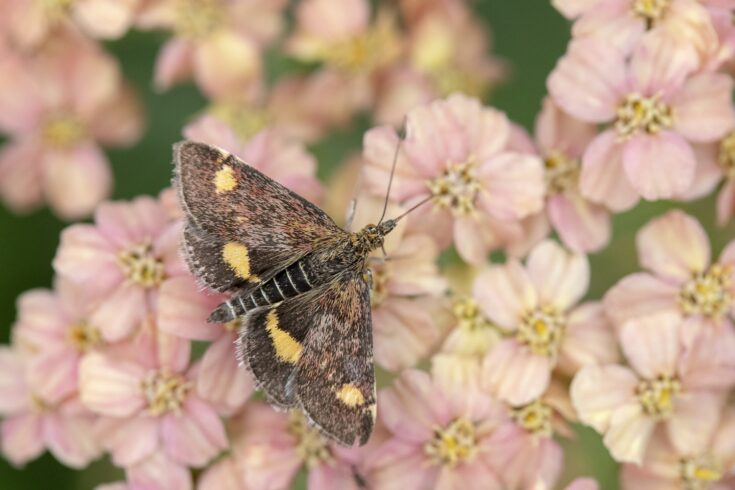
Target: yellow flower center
[
  {"x": 650, "y": 10},
  {"x": 637, "y": 113},
  {"x": 380, "y": 276},
  {"x": 561, "y": 173},
  {"x": 542, "y": 330},
  {"x": 699, "y": 473},
  {"x": 534, "y": 417},
  {"x": 657, "y": 396},
  {"x": 165, "y": 392},
  {"x": 55, "y": 10},
  {"x": 456, "y": 443},
  {"x": 62, "y": 131},
  {"x": 39, "y": 405},
  {"x": 245, "y": 121},
  {"x": 450, "y": 79},
  {"x": 199, "y": 19},
  {"x": 726, "y": 155},
  {"x": 83, "y": 336},
  {"x": 311, "y": 446},
  {"x": 456, "y": 189},
  {"x": 141, "y": 266},
  {"x": 708, "y": 293},
  {"x": 366, "y": 52}
]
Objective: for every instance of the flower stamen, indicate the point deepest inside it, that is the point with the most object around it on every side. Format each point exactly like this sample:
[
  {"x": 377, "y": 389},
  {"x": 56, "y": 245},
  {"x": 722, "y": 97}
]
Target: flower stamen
[
  {"x": 365, "y": 52},
  {"x": 542, "y": 330},
  {"x": 456, "y": 443},
  {"x": 199, "y": 19},
  {"x": 83, "y": 336},
  {"x": 535, "y": 417},
  {"x": 698, "y": 473},
  {"x": 638, "y": 113},
  {"x": 561, "y": 173},
  {"x": 726, "y": 156},
  {"x": 311, "y": 446},
  {"x": 708, "y": 293},
  {"x": 165, "y": 392},
  {"x": 656, "y": 396},
  {"x": 62, "y": 131},
  {"x": 650, "y": 10},
  {"x": 456, "y": 189},
  {"x": 141, "y": 266}
]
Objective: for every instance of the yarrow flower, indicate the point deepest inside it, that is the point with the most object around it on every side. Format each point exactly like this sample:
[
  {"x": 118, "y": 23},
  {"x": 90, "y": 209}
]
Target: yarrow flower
[{"x": 455, "y": 152}]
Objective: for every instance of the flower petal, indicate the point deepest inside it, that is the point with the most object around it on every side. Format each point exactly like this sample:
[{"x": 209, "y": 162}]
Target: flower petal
[
  {"x": 629, "y": 433},
  {"x": 694, "y": 421},
  {"x": 505, "y": 293},
  {"x": 110, "y": 387},
  {"x": 220, "y": 381},
  {"x": 513, "y": 185},
  {"x": 129, "y": 440},
  {"x": 652, "y": 344},
  {"x": 597, "y": 391},
  {"x": 22, "y": 438},
  {"x": 602, "y": 179},
  {"x": 581, "y": 225},
  {"x": 173, "y": 64},
  {"x": 589, "y": 339},
  {"x": 703, "y": 107},
  {"x": 559, "y": 277},
  {"x": 513, "y": 373},
  {"x": 71, "y": 439},
  {"x": 195, "y": 435},
  {"x": 640, "y": 294}
]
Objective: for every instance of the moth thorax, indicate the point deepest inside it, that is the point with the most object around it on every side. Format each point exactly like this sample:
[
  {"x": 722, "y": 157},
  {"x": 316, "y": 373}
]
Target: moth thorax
[
  {"x": 310, "y": 445},
  {"x": 165, "y": 392}
]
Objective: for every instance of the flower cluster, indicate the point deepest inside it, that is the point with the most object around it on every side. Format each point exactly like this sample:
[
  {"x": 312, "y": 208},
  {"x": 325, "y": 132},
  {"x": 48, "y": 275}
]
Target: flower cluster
[{"x": 485, "y": 367}]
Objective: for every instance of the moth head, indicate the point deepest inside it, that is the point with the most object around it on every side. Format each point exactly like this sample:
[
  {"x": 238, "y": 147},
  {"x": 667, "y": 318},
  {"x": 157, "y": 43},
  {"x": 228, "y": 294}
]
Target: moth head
[{"x": 373, "y": 235}]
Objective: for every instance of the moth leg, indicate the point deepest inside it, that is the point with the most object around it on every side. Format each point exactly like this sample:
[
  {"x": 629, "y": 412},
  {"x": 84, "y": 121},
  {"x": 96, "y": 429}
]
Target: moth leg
[
  {"x": 350, "y": 214},
  {"x": 368, "y": 275}
]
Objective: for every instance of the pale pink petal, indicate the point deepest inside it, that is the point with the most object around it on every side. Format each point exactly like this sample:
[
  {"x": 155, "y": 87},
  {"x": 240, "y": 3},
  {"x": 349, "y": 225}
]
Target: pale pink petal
[
  {"x": 472, "y": 240},
  {"x": 174, "y": 63},
  {"x": 325, "y": 20},
  {"x": 105, "y": 19},
  {"x": 53, "y": 375},
  {"x": 573, "y": 8},
  {"x": 726, "y": 203},
  {"x": 583, "y": 484},
  {"x": 659, "y": 66},
  {"x": 703, "y": 107},
  {"x": 434, "y": 138},
  {"x": 505, "y": 293},
  {"x": 597, "y": 391},
  {"x": 22, "y": 438},
  {"x": 121, "y": 313},
  {"x": 589, "y": 80},
  {"x": 85, "y": 257},
  {"x": 131, "y": 223},
  {"x": 110, "y": 387},
  {"x": 90, "y": 77},
  {"x": 112, "y": 486},
  {"x": 226, "y": 63},
  {"x": 640, "y": 294},
  {"x": 659, "y": 166},
  {"x": 559, "y": 277},
  {"x": 694, "y": 421},
  {"x": 183, "y": 309},
  {"x": 42, "y": 321},
  {"x": 172, "y": 352},
  {"x": 333, "y": 476},
  {"x": 602, "y": 179},
  {"x": 513, "y": 373},
  {"x": 195, "y": 435},
  {"x": 222, "y": 475},
  {"x": 589, "y": 339},
  {"x": 487, "y": 130},
  {"x": 21, "y": 105},
  {"x": 581, "y": 225},
  {"x": 708, "y": 173},
  {"x": 709, "y": 361},
  {"x": 21, "y": 174},
  {"x": 513, "y": 185},
  {"x": 651, "y": 344},
  {"x": 71, "y": 439},
  {"x": 220, "y": 381},
  {"x": 379, "y": 147},
  {"x": 129, "y": 440},
  {"x": 13, "y": 390},
  {"x": 457, "y": 478},
  {"x": 556, "y": 130},
  {"x": 120, "y": 121},
  {"x": 401, "y": 466},
  {"x": 629, "y": 433},
  {"x": 674, "y": 246},
  {"x": 76, "y": 181},
  {"x": 159, "y": 473},
  {"x": 613, "y": 23}
]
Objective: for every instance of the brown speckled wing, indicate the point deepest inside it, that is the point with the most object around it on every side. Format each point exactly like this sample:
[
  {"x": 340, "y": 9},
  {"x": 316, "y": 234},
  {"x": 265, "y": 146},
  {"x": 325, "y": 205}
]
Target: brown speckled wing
[{"x": 241, "y": 225}]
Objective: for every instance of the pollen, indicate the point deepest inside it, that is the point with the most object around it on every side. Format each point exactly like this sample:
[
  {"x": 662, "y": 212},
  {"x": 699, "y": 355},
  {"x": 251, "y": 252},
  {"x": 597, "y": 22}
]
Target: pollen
[
  {"x": 141, "y": 266},
  {"x": 454, "y": 444},
  {"x": 62, "y": 131},
  {"x": 638, "y": 113},
  {"x": 708, "y": 293},
  {"x": 83, "y": 336},
  {"x": 350, "y": 395},
  {"x": 699, "y": 473},
  {"x": 650, "y": 10},
  {"x": 237, "y": 258},
  {"x": 310, "y": 446},
  {"x": 534, "y": 417},
  {"x": 457, "y": 188},
  {"x": 199, "y": 19},
  {"x": 542, "y": 330},
  {"x": 656, "y": 396},
  {"x": 365, "y": 52},
  {"x": 224, "y": 179},
  {"x": 561, "y": 173},
  {"x": 726, "y": 155},
  {"x": 245, "y": 120},
  {"x": 164, "y": 392},
  {"x": 287, "y": 348}
]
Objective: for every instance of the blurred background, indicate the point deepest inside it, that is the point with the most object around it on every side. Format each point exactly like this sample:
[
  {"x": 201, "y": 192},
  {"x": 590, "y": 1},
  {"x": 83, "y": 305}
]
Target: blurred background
[{"x": 528, "y": 34}]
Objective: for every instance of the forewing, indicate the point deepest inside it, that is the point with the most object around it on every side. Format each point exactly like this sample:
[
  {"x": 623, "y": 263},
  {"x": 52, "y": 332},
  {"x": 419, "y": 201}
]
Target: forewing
[{"x": 240, "y": 219}]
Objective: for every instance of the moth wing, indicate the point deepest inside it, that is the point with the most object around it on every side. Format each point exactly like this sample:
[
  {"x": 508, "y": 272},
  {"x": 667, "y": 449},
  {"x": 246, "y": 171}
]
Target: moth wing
[
  {"x": 242, "y": 225},
  {"x": 335, "y": 378}
]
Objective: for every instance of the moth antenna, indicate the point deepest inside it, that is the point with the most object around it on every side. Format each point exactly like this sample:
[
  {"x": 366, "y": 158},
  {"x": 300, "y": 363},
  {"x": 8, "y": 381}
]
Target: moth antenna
[
  {"x": 412, "y": 208},
  {"x": 401, "y": 136}
]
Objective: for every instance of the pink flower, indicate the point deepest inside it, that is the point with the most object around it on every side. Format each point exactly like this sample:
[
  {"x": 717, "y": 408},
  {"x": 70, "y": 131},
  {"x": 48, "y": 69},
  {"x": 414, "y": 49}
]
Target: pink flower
[
  {"x": 624, "y": 23},
  {"x": 681, "y": 278},
  {"x": 121, "y": 261},
  {"x": 268, "y": 150},
  {"x": 667, "y": 386},
  {"x": 664, "y": 467},
  {"x": 582, "y": 226},
  {"x": 536, "y": 308},
  {"x": 657, "y": 109},
  {"x": 156, "y": 472},
  {"x": 716, "y": 163},
  {"x": 30, "y": 22},
  {"x": 455, "y": 151},
  {"x": 150, "y": 404},
  {"x": 58, "y": 106},
  {"x": 218, "y": 43},
  {"x": 32, "y": 424},
  {"x": 439, "y": 437}
]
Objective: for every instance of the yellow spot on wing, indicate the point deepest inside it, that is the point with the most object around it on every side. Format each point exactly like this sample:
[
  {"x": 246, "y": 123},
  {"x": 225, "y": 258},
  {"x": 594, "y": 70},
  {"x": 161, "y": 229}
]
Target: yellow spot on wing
[
  {"x": 350, "y": 395},
  {"x": 287, "y": 348},
  {"x": 224, "y": 179},
  {"x": 236, "y": 257}
]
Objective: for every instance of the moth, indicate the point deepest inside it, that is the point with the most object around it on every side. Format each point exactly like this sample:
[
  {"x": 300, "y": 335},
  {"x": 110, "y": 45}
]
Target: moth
[{"x": 299, "y": 287}]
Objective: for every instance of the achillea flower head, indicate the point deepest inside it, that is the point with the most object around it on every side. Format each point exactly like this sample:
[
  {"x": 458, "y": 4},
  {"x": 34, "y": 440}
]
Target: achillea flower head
[
  {"x": 536, "y": 307},
  {"x": 454, "y": 150}
]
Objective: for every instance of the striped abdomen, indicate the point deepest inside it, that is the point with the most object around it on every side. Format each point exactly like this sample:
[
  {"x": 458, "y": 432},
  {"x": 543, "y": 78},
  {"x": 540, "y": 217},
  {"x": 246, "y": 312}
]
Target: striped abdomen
[{"x": 295, "y": 279}]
